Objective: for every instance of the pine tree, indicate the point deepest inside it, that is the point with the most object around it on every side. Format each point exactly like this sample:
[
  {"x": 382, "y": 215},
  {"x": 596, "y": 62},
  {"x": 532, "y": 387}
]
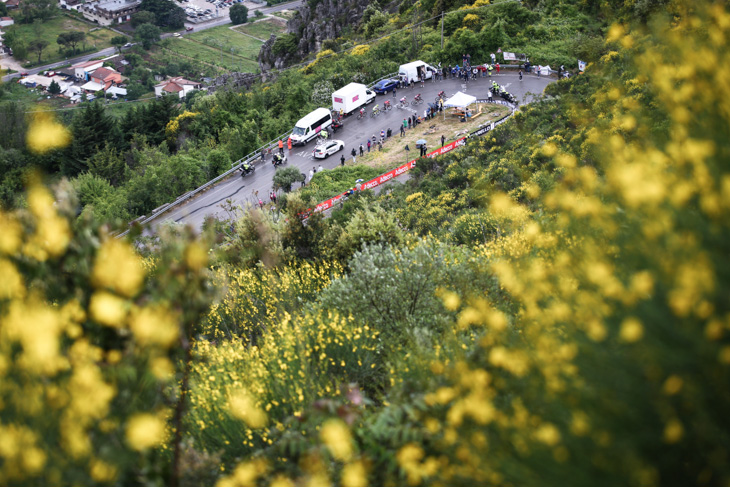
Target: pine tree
[{"x": 91, "y": 129}]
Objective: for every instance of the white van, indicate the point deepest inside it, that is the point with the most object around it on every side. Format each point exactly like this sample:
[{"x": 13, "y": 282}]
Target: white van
[
  {"x": 412, "y": 71},
  {"x": 308, "y": 127}
]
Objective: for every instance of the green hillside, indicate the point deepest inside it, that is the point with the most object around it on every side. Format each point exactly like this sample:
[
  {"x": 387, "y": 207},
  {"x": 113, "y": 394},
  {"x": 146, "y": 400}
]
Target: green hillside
[{"x": 544, "y": 307}]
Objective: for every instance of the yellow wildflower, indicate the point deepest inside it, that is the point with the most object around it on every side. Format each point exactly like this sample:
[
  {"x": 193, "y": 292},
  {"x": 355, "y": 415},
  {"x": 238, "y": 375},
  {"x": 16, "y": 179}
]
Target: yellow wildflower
[{"x": 145, "y": 431}]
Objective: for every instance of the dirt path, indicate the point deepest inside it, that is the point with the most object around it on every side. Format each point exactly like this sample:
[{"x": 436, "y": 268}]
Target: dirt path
[{"x": 9, "y": 62}]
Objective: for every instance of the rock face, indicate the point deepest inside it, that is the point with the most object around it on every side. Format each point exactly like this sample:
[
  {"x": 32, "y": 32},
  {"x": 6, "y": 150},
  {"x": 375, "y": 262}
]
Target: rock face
[
  {"x": 312, "y": 26},
  {"x": 232, "y": 81}
]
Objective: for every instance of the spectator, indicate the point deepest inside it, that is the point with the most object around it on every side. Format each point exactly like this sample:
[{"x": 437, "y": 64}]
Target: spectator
[
  {"x": 354, "y": 155},
  {"x": 303, "y": 179},
  {"x": 388, "y": 134},
  {"x": 443, "y": 140},
  {"x": 402, "y": 130},
  {"x": 496, "y": 66},
  {"x": 342, "y": 160},
  {"x": 320, "y": 168},
  {"x": 362, "y": 149},
  {"x": 405, "y": 125},
  {"x": 368, "y": 146}
]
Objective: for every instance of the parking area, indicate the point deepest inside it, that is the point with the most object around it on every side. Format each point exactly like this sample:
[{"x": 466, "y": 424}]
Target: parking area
[{"x": 198, "y": 11}]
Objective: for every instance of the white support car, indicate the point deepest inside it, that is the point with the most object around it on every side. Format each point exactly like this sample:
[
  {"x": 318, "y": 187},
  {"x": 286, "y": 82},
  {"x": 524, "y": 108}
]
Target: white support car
[{"x": 325, "y": 149}]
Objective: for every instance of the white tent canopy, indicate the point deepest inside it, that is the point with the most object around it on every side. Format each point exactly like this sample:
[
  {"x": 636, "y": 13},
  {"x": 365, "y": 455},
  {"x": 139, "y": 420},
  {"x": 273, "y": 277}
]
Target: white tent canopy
[{"x": 460, "y": 100}]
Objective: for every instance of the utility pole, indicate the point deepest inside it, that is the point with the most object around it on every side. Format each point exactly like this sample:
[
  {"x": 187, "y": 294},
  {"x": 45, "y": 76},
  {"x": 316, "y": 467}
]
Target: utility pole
[{"x": 442, "y": 30}]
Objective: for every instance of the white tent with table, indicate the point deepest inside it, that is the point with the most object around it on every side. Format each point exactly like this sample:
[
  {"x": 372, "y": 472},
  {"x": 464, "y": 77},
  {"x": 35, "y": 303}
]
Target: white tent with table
[{"x": 459, "y": 100}]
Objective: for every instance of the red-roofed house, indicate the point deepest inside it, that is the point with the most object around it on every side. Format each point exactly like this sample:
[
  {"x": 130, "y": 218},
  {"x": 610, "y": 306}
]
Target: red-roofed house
[
  {"x": 177, "y": 85},
  {"x": 12, "y": 4},
  {"x": 6, "y": 21},
  {"x": 106, "y": 77}
]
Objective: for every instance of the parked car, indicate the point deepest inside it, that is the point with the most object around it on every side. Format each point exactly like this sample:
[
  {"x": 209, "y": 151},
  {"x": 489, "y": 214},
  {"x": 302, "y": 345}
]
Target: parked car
[
  {"x": 322, "y": 151},
  {"x": 384, "y": 86}
]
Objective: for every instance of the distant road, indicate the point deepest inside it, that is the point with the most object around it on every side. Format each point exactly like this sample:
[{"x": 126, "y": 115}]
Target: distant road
[{"x": 110, "y": 50}]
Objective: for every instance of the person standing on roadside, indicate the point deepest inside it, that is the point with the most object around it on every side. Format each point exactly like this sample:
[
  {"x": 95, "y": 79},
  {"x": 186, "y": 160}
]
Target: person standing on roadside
[
  {"x": 342, "y": 160},
  {"x": 443, "y": 140},
  {"x": 354, "y": 156},
  {"x": 520, "y": 73}
]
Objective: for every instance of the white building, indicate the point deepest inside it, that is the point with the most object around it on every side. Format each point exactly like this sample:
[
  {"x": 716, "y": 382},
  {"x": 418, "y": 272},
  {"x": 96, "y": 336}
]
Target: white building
[
  {"x": 109, "y": 12},
  {"x": 178, "y": 85},
  {"x": 82, "y": 71}
]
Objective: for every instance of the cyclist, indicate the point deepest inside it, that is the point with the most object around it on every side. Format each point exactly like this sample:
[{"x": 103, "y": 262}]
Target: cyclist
[
  {"x": 362, "y": 112},
  {"x": 386, "y": 105},
  {"x": 376, "y": 108},
  {"x": 403, "y": 101}
]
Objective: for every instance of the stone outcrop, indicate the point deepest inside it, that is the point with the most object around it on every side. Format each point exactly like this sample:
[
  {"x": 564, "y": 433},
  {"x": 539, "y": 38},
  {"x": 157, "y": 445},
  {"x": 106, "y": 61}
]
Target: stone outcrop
[{"x": 313, "y": 25}]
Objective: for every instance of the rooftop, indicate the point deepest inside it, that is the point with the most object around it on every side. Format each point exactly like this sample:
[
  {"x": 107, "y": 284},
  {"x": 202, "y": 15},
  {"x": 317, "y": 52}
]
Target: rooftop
[{"x": 115, "y": 5}]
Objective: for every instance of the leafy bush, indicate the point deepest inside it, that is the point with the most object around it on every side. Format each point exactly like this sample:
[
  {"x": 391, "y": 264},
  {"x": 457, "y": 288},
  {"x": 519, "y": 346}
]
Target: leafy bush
[{"x": 284, "y": 178}]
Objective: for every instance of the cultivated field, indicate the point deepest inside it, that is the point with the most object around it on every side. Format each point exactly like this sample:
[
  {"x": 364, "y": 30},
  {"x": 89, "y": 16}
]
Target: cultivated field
[
  {"x": 263, "y": 28},
  {"x": 220, "y": 46}
]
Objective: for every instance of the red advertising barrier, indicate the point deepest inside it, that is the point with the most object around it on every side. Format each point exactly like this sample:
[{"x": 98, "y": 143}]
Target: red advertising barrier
[{"x": 383, "y": 178}]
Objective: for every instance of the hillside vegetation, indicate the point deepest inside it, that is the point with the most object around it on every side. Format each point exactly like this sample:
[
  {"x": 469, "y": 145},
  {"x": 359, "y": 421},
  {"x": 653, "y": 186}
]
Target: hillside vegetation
[{"x": 545, "y": 307}]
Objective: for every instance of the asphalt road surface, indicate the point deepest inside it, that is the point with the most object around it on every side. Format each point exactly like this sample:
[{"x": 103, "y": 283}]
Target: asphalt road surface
[{"x": 241, "y": 191}]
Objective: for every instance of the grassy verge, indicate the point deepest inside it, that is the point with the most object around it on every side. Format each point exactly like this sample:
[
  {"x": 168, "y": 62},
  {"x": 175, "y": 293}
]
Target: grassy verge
[
  {"x": 32, "y": 98},
  {"x": 393, "y": 153},
  {"x": 49, "y": 31},
  {"x": 263, "y": 28}
]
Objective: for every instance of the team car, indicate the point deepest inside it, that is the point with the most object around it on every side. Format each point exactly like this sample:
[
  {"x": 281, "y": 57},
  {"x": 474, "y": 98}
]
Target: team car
[{"x": 322, "y": 151}]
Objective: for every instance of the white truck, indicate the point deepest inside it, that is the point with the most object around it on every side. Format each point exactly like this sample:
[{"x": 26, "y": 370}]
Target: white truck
[
  {"x": 351, "y": 97},
  {"x": 416, "y": 69}
]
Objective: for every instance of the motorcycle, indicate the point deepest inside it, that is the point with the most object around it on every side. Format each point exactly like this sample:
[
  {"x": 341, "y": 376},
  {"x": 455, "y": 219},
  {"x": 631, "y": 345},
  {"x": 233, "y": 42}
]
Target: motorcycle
[
  {"x": 247, "y": 169},
  {"x": 278, "y": 160}
]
